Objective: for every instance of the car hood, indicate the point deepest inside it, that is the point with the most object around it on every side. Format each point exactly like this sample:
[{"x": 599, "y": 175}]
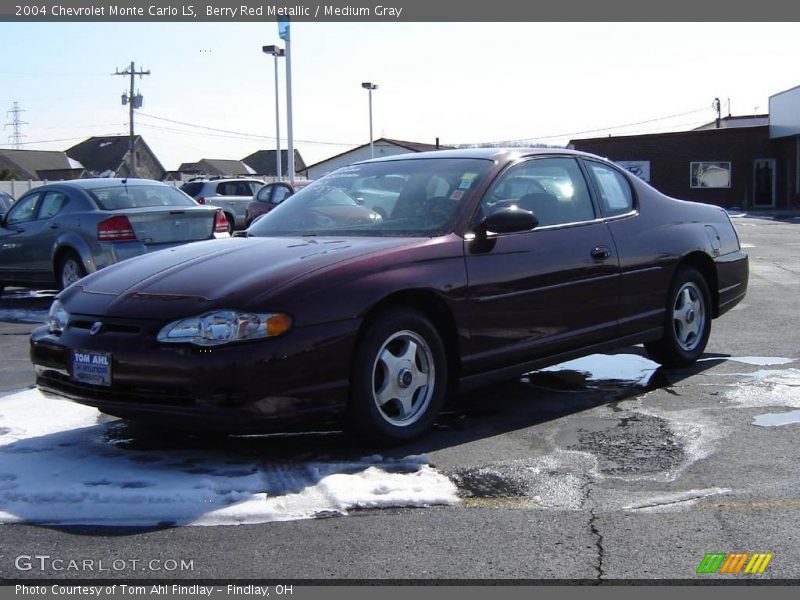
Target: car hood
[{"x": 208, "y": 275}]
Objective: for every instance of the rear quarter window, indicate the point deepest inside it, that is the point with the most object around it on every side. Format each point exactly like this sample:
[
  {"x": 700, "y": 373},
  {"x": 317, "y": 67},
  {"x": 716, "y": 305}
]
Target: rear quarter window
[
  {"x": 193, "y": 189},
  {"x": 125, "y": 198},
  {"x": 616, "y": 195}
]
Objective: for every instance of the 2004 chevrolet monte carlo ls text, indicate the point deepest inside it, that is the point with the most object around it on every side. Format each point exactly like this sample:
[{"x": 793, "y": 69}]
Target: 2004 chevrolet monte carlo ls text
[{"x": 488, "y": 263}]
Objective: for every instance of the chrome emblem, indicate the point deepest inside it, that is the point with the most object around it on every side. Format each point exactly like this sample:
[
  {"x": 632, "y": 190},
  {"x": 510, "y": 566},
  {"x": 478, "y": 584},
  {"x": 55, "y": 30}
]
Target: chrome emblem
[{"x": 96, "y": 327}]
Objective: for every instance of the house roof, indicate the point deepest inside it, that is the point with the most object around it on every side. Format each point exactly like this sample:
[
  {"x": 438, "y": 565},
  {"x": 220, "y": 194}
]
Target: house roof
[
  {"x": 216, "y": 166},
  {"x": 101, "y": 154},
  {"x": 27, "y": 163},
  {"x": 730, "y": 122},
  {"x": 263, "y": 162},
  {"x": 411, "y": 146},
  {"x": 414, "y": 146},
  {"x": 646, "y": 136}
]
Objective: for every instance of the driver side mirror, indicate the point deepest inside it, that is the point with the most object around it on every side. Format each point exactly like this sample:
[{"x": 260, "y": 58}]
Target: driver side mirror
[{"x": 507, "y": 220}]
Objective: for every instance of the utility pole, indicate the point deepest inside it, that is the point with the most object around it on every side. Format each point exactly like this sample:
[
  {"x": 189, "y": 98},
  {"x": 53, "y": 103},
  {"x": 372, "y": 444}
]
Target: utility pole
[
  {"x": 133, "y": 101},
  {"x": 17, "y": 123}
]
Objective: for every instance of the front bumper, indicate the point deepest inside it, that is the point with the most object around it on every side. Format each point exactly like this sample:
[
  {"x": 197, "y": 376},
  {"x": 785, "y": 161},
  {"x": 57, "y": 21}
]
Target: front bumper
[{"x": 283, "y": 384}]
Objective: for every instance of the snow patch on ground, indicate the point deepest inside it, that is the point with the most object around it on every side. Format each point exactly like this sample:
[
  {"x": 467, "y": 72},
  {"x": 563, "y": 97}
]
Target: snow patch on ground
[
  {"x": 15, "y": 315},
  {"x": 611, "y": 367},
  {"x": 58, "y": 467},
  {"x": 777, "y": 419},
  {"x": 767, "y": 387},
  {"x": 758, "y": 361}
]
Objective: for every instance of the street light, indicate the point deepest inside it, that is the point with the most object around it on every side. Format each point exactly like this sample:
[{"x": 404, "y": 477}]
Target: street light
[
  {"x": 276, "y": 52},
  {"x": 369, "y": 87}
]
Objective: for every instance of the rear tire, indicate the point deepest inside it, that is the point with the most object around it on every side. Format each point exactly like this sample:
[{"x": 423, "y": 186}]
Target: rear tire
[
  {"x": 231, "y": 223},
  {"x": 687, "y": 323},
  {"x": 399, "y": 378},
  {"x": 69, "y": 269}
]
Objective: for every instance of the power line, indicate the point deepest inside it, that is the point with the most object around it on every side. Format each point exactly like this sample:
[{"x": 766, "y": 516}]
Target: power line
[
  {"x": 243, "y": 134},
  {"x": 80, "y": 137},
  {"x": 561, "y": 135}
]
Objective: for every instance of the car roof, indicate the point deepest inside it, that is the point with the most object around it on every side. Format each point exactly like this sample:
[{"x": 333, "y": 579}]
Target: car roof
[
  {"x": 223, "y": 180},
  {"x": 101, "y": 182},
  {"x": 501, "y": 154}
]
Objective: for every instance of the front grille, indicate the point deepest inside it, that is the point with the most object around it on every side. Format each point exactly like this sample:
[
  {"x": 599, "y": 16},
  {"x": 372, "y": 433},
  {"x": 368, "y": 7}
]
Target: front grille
[
  {"x": 130, "y": 394},
  {"x": 110, "y": 327}
]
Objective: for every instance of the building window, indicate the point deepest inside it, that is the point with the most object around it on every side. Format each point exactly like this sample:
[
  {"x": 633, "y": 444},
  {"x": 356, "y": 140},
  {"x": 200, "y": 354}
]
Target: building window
[{"x": 710, "y": 175}]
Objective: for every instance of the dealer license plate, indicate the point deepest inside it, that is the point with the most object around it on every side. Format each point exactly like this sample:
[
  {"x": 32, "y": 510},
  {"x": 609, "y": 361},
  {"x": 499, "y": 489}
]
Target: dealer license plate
[{"x": 91, "y": 367}]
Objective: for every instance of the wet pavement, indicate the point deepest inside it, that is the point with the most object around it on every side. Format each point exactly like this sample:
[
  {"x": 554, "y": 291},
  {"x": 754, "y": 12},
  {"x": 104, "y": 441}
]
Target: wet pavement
[{"x": 596, "y": 469}]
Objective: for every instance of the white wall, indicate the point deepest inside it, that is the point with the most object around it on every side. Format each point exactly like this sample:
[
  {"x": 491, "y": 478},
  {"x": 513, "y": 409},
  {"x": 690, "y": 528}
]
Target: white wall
[
  {"x": 356, "y": 155},
  {"x": 784, "y": 113},
  {"x": 17, "y": 188}
]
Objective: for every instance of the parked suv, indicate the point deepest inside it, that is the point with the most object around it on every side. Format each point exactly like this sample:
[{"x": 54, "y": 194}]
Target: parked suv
[{"x": 232, "y": 195}]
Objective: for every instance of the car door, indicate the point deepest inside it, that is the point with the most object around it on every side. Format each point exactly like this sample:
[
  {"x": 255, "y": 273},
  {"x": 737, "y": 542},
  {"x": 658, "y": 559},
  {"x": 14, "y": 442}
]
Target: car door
[
  {"x": 642, "y": 281},
  {"x": 44, "y": 230},
  {"x": 544, "y": 291},
  {"x": 15, "y": 238},
  {"x": 235, "y": 196}
]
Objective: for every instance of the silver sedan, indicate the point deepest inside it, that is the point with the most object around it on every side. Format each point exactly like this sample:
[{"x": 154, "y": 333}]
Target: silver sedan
[{"x": 57, "y": 233}]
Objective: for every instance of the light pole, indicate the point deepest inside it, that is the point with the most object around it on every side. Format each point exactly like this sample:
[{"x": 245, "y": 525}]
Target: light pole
[
  {"x": 369, "y": 87},
  {"x": 276, "y": 52}
]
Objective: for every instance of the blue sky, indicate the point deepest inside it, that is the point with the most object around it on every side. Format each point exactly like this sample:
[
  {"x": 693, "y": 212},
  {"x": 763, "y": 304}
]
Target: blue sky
[{"x": 462, "y": 82}]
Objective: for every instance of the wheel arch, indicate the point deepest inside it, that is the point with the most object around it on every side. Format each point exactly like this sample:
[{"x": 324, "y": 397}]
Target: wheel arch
[
  {"x": 705, "y": 264},
  {"x": 61, "y": 251},
  {"x": 435, "y": 308}
]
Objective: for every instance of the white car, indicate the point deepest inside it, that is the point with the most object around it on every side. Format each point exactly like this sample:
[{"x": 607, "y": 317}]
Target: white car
[{"x": 231, "y": 194}]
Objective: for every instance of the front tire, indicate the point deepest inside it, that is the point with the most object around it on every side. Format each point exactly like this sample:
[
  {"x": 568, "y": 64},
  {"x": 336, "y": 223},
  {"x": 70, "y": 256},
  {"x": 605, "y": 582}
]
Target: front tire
[
  {"x": 70, "y": 269},
  {"x": 687, "y": 324},
  {"x": 399, "y": 378}
]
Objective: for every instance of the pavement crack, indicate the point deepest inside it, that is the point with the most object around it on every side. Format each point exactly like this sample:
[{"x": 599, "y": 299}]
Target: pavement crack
[
  {"x": 598, "y": 542},
  {"x": 594, "y": 530}
]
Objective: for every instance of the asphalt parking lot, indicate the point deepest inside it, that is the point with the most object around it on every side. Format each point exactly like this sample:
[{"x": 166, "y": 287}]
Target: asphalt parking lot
[{"x": 604, "y": 469}]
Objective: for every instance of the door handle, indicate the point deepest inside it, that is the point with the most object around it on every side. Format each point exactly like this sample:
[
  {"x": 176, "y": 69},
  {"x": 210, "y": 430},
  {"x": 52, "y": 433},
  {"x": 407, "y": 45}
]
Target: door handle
[
  {"x": 600, "y": 253},
  {"x": 53, "y": 226}
]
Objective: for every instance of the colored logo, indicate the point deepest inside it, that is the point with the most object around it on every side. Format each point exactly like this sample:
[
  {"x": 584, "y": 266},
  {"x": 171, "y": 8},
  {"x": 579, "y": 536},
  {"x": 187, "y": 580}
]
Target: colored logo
[{"x": 735, "y": 563}]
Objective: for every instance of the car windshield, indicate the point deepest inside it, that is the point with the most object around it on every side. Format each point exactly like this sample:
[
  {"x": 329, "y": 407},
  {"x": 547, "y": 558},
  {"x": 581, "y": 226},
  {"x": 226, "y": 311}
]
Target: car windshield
[
  {"x": 139, "y": 196},
  {"x": 409, "y": 197}
]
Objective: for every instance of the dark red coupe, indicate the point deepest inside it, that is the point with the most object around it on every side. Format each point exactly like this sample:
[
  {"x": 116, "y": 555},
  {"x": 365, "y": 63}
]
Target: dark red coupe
[{"x": 481, "y": 265}]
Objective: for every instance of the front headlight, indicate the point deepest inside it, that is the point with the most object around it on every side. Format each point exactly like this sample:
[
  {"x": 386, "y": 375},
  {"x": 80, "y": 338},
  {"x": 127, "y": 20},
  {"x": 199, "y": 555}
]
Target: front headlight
[
  {"x": 57, "y": 318},
  {"x": 223, "y": 327}
]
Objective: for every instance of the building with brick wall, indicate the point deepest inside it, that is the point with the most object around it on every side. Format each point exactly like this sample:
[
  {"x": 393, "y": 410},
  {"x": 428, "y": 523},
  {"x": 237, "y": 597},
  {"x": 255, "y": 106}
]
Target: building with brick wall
[{"x": 750, "y": 162}]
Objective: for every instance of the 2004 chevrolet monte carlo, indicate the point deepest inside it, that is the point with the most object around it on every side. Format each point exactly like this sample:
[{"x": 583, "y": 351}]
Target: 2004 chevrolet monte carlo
[{"x": 489, "y": 263}]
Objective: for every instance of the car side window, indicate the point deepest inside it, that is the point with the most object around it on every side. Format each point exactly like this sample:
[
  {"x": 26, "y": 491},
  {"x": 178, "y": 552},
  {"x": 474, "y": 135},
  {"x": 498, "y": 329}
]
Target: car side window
[
  {"x": 553, "y": 189},
  {"x": 280, "y": 194},
  {"x": 23, "y": 210},
  {"x": 51, "y": 204},
  {"x": 616, "y": 196},
  {"x": 254, "y": 187},
  {"x": 235, "y": 188}
]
